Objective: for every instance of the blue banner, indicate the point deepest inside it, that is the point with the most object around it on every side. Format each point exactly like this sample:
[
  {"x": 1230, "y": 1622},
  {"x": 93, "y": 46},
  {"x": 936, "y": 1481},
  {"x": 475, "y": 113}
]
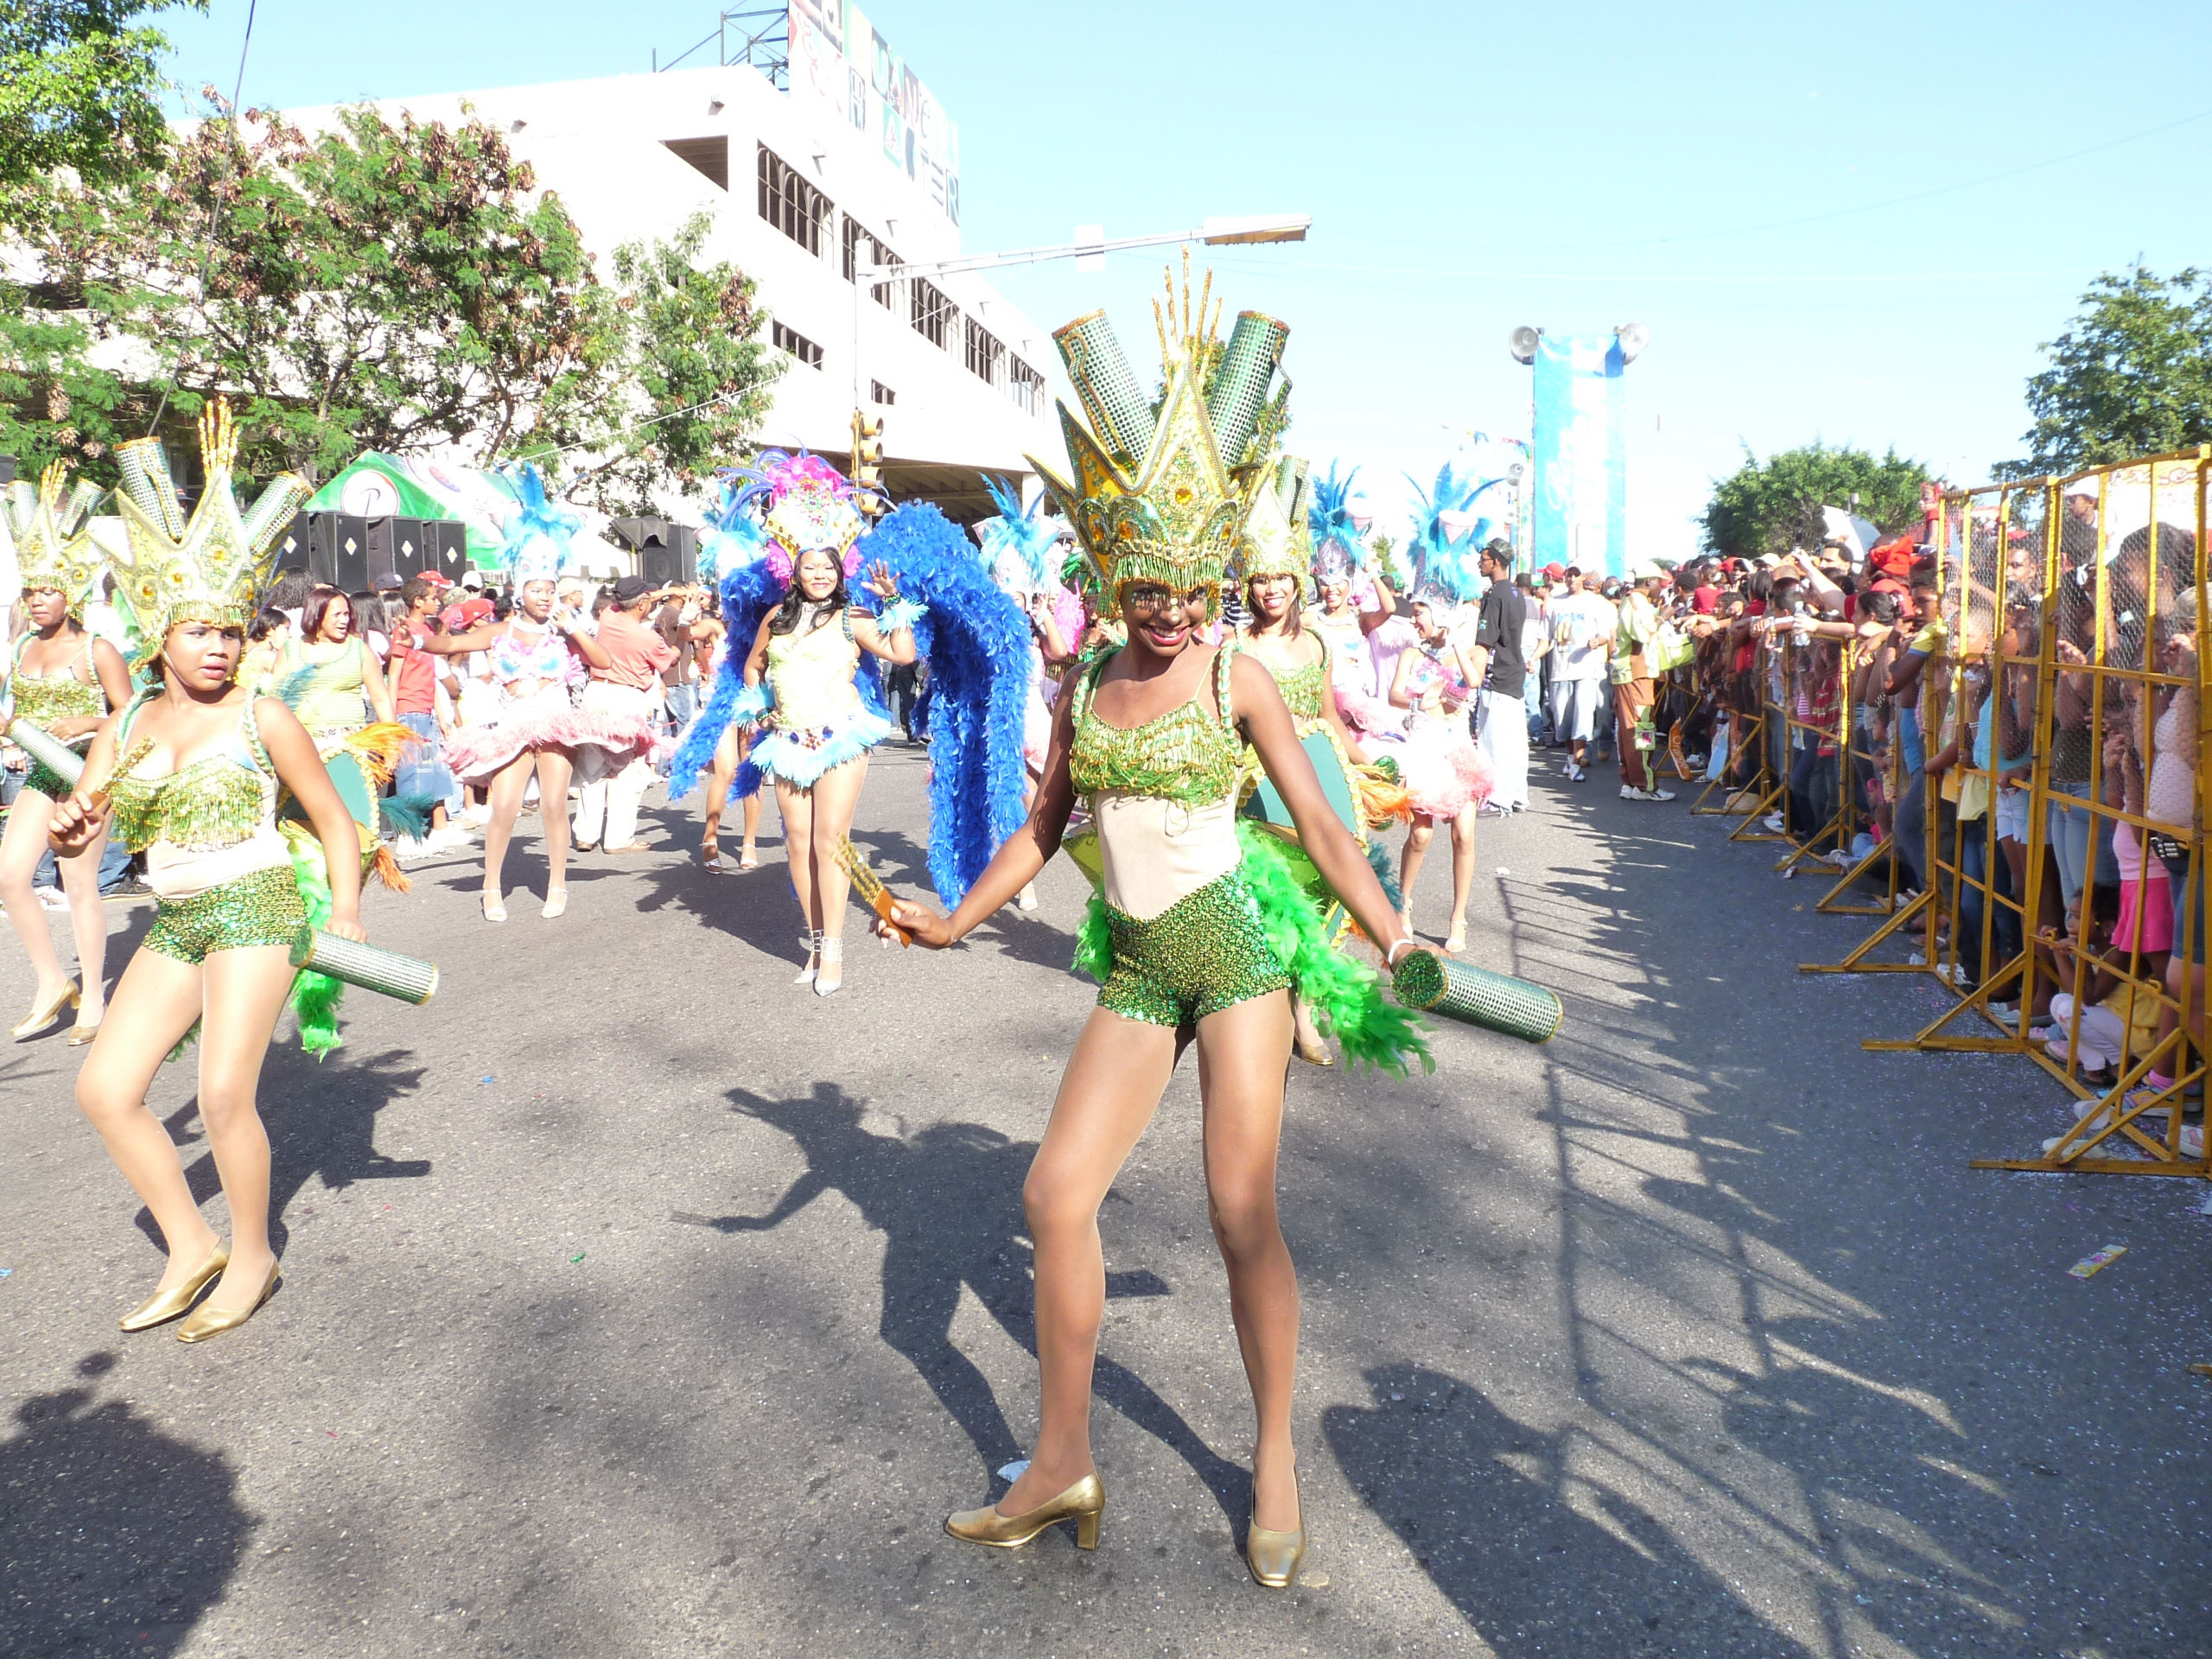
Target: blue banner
[{"x": 1580, "y": 505}]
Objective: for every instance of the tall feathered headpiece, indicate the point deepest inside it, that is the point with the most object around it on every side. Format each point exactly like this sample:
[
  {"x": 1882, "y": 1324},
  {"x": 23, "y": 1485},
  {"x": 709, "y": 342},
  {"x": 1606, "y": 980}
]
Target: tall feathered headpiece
[
  {"x": 1445, "y": 548},
  {"x": 1338, "y": 552},
  {"x": 1162, "y": 492},
  {"x": 540, "y": 534},
  {"x": 50, "y": 526},
  {"x": 804, "y": 504},
  {"x": 1021, "y": 545},
  {"x": 211, "y": 567},
  {"x": 1276, "y": 540}
]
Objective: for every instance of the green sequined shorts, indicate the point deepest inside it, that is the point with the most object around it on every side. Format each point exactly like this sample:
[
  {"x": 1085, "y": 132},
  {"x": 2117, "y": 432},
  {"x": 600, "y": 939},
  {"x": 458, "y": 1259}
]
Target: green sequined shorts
[
  {"x": 47, "y": 781},
  {"x": 263, "y": 908},
  {"x": 1204, "y": 953}
]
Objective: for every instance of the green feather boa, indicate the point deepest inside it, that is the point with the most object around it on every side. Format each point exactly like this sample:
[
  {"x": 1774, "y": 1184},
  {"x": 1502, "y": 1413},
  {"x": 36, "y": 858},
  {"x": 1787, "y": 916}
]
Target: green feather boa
[
  {"x": 1345, "y": 996},
  {"x": 315, "y": 996}
]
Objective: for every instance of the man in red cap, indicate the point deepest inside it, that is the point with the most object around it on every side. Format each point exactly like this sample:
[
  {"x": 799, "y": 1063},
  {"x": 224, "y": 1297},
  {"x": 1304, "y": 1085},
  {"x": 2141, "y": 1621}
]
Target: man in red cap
[{"x": 422, "y": 769}]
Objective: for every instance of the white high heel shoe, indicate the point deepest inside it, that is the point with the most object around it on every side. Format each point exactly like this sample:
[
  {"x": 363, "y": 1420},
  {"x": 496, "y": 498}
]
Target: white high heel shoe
[
  {"x": 812, "y": 940},
  {"x": 833, "y": 961}
]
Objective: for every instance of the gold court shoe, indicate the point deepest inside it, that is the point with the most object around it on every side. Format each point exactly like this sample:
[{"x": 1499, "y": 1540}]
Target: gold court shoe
[
  {"x": 44, "y": 1014},
  {"x": 165, "y": 1305},
  {"x": 1082, "y": 1503},
  {"x": 1274, "y": 1557},
  {"x": 214, "y": 1321}
]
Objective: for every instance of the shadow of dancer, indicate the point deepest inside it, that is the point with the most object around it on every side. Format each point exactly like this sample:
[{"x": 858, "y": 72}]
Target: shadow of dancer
[
  {"x": 1481, "y": 1504},
  {"x": 321, "y": 1120},
  {"x": 118, "y": 1538},
  {"x": 948, "y": 1202}
]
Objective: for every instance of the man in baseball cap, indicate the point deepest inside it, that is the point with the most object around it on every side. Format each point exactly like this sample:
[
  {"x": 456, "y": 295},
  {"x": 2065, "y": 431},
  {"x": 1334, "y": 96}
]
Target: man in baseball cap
[{"x": 1636, "y": 684}]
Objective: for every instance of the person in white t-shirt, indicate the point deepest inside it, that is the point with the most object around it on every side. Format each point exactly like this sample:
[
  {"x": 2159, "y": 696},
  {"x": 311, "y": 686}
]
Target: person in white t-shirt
[{"x": 1582, "y": 626}]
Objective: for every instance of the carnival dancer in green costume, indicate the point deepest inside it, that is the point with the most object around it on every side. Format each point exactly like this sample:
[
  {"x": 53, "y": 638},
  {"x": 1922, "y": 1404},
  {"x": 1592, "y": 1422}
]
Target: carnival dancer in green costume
[
  {"x": 1200, "y": 931},
  {"x": 64, "y": 682},
  {"x": 190, "y": 774}
]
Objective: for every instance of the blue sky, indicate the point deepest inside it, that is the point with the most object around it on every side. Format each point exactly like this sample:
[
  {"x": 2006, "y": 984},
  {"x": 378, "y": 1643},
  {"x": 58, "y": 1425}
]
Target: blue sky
[{"x": 1788, "y": 196}]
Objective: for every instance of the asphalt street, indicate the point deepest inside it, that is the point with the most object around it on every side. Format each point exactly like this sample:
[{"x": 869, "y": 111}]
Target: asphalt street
[{"x": 639, "y": 1302}]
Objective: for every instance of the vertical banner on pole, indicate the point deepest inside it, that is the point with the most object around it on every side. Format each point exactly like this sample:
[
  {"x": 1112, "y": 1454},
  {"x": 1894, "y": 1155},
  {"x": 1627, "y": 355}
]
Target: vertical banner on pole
[{"x": 1580, "y": 507}]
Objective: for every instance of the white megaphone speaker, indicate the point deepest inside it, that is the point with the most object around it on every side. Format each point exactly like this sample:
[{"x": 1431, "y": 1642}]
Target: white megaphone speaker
[
  {"x": 1522, "y": 342},
  {"x": 1633, "y": 337}
]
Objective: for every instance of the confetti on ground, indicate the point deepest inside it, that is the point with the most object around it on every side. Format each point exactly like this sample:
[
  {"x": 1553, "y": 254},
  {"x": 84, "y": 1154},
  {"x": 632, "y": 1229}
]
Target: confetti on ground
[
  {"x": 1013, "y": 1471},
  {"x": 2090, "y": 1265},
  {"x": 577, "y": 1257},
  {"x": 485, "y": 1079}
]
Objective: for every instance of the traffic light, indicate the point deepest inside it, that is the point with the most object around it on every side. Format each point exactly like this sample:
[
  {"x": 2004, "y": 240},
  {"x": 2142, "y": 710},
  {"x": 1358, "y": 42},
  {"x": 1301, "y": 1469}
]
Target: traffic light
[{"x": 867, "y": 460}]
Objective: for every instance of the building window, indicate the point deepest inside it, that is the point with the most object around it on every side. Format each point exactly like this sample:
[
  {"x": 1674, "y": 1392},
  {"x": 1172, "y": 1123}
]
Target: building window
[
  {"x": 986, "y": 356},
  {"x": 862, "y": 247},
  {"x": 880, "y": 393},
  {"x": 791, "y": 204},
  {"x": 1024, "y": 384},
  {"x": 789, "y": 339},
  {"x": 933, "y": 314}
]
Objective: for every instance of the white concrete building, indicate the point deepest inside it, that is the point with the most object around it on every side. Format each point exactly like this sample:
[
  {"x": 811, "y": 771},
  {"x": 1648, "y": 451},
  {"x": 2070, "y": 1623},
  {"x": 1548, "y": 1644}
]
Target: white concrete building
[{"x": 798, "y": 197}]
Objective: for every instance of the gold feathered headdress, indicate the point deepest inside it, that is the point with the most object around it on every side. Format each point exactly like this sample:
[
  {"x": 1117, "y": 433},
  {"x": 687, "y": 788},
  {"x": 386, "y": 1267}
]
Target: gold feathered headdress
[
  {"x": 51, "y": 528},
  {"x": 1166, "y": 494},
  {"x": 212, "y": 568}
]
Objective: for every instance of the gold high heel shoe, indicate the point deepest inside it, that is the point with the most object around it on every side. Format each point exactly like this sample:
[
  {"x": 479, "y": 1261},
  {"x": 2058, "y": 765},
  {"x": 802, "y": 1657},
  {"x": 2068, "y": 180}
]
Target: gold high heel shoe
[
  {"x": 1082, "y": 1503},
  {"x": 1274, "y": 1557},
  {"x": 43, "y": 1014},
  {"x": 214, "y": 1321},
  {"x": 165, "y": 1305}
]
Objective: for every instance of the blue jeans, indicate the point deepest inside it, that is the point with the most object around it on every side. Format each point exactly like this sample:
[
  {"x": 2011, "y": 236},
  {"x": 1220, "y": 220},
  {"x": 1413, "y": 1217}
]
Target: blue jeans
[
  {"x": 2071, "y": 846},
  {"x": 421, "y": 772}
]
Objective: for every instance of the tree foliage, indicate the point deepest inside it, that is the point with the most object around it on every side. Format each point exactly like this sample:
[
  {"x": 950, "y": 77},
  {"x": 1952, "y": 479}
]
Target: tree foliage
[
  {"x": 400, "y": 287},
  {"x": 2131, "y": 377},
  {"x": 1774, "y": 505},
  {"x": 81, "y": 87}
]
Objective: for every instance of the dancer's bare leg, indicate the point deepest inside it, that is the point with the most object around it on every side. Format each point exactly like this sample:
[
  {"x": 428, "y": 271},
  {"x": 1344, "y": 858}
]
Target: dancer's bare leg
[
  {"x": 1109, "y": 1093},
  {"x": 505, "y": 799},
  {"x": 156, "y": 1002},
  {"x": 836, "y": 796},
  {"x": 554, "y": 768},
  {"x": 720, "y": 772},
  {"x": 245, "y": 992},
  {"x": 80, "y": 880},
  {"x": 1242, "y": 1054},
  {"x": 20, "y": 846},
  {"x": 1463, "y": 870},
  {"x": 1418, "y": 834}
]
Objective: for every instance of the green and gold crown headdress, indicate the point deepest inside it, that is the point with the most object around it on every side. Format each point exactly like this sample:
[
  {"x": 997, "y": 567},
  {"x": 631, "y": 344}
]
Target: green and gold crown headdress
[
  {"x": 212, "y": 568},
  {"x": 1164, "y": 492},
  {"x": 52, "y": 532}
]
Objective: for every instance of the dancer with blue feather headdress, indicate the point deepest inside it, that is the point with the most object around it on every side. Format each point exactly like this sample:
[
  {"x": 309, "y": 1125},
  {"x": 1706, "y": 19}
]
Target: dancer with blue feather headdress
[
  {"x": 801, "y": 674},
  {"x": 1435, "y": 683},
  {"x": 1358, "y": 613}
]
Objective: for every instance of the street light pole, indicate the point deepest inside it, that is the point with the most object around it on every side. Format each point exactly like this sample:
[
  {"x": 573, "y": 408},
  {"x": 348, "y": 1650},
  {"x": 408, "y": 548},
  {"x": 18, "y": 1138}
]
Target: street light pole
[{"x": 1214, "y": 233}]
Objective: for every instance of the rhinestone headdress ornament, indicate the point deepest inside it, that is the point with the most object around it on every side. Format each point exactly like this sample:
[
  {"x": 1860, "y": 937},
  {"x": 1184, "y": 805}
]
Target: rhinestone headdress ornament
[
  {"x": 51, "y": 528},
  {"x": 211, "y": 567},
  {"x": 805, "y": 505},
  {"x": 1168, "y": 493}
]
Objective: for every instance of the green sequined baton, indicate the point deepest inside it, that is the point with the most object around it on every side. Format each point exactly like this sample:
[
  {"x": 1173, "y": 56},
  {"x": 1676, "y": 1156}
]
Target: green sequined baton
[
  {"x": 370, "y": 967},
  {"x": 1476, "y": 996}
]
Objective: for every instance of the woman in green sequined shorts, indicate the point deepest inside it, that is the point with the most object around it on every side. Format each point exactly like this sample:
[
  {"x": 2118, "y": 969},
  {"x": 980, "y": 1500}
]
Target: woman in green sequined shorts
[
  {"x": 65, "y": 680},
  {"x": 1199, "y": 934},
  {"x": 190, "y": 774}
]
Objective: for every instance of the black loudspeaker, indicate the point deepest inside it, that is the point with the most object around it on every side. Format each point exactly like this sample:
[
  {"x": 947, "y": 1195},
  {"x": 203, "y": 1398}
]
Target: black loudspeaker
[
  {"x": 674, "y": 560},
  {"x": 395, "y": 549},
  {"x": 448, "y": 555},
  {"x": 337, "y": 550}
]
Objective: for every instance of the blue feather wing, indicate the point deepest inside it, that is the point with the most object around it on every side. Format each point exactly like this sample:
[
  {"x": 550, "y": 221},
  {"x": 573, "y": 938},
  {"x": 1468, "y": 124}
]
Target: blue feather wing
[
  {"x": 977, "y": 641},
  {"x": 748, "y": 594}
]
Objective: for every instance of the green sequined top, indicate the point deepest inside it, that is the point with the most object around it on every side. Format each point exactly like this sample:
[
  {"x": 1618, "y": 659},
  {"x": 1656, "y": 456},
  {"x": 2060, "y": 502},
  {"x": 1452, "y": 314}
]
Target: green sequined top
[
  {"x": 215, "y": 802},
  {"x": 1302, "y": 687},
  {"x": 1187, "y": 754},
  {"x": 43, "y": 699}
]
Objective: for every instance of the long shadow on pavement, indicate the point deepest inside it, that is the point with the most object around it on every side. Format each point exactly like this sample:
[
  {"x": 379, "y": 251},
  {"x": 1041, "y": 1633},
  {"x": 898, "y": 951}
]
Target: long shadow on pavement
[
  {"x": 948, "y": 1202},
  {"x": 117, "y": 1537}
]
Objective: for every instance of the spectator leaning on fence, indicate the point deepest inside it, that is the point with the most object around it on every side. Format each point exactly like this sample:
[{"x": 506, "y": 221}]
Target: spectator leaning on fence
[{"x": 1636, "y": 636}]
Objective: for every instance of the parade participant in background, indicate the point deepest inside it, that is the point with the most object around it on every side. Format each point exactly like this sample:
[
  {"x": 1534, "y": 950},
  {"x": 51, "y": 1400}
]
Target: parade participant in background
[
  {"x": 194, "y": 774},
  {"x": 1501, "y": 630},
  {"x": 1447, "y": 776},
  {"x": 1635, "y": 684},
  {"x": 536, "y": 658},
  {"x": 624, "y": 690},
  {"x": 801, "y": 672},
  {"x": 1199, "y": 932},
  {"x": 1357, "y": 614},
  {"x": 1582, "y": 626},
  {"x": 64, "y": 681},
  {"x": 1021, "y": 550},
  {"x": 414, "y": 675},
  {"x": 341, "y": 679}
]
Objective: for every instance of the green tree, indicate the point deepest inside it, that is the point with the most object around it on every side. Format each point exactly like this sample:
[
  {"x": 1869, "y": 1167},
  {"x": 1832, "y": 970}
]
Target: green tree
[
  {"x": 697, "y": 376},
  {"x": 377, "y": 286},
  {"x": 1774, "y": 505},
  {"x": 2131, "y": 377},
  {"x": 80, "y": 87}
]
